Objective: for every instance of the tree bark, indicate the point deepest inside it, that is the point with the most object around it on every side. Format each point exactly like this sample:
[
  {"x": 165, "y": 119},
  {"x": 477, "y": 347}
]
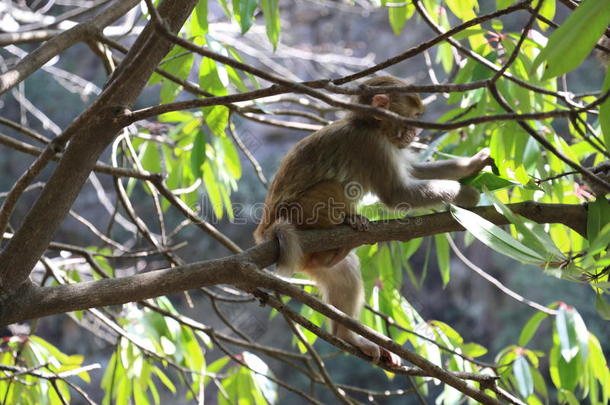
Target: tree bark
[{"x": 31, "y": 301}]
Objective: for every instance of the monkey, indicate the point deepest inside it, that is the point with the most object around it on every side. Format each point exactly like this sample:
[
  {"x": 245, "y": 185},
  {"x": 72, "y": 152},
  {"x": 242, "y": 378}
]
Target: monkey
[
  {"x": 602, "y": 171},
  {"x": 311, "y": 189}
]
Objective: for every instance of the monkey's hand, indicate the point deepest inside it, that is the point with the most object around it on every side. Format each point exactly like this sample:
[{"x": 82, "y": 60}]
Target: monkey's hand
[
  {"x": 357, "y": 222},
  {"x": 477, "y": 162}
]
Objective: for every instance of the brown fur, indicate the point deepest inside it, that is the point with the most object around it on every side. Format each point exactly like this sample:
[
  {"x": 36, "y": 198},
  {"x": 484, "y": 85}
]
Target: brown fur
[{"x": 312, "y": 190}]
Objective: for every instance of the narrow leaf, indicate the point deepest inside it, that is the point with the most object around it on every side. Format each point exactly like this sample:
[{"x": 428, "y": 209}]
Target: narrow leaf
[
  {"x": 198, "y": 154},
  {"x": 398, "y": 17},
  {"x": 530, "y": 328},
  {"x": 564, "y": 326},
  {"x": 572, "y": 42},
  {"x": 243, "y": 10},
  {"x": 604, "y": 112},
  {"x": 271, "y": 11},
  {"x": 525, "y": 382},
  {"x": 494, "y": 237},
  {"x": 489, "y": 180},
  {"x": 602, "y": 307},
  {"x": 442, "y": 257}
]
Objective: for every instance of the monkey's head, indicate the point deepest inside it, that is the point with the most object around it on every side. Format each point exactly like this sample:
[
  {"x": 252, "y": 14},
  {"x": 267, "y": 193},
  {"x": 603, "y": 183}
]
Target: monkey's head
[{"x": 408, "y": 105}]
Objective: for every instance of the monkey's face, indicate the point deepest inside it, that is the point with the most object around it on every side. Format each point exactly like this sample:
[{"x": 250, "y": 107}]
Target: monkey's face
[
  {"x": 404, "y": 137},
  {"x": 409, "y": 106}
]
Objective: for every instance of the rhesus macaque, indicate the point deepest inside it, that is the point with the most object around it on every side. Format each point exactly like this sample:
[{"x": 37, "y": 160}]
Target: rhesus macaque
[
  {"x": 312, "y": 190},
  {"x": 602, "y": 171}
]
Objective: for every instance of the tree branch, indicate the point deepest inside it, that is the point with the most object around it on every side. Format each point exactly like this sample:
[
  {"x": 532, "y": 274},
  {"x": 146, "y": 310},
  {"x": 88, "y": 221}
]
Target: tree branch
[
  {"x": 32, "y": 302},
  {"x": 61, "y": 42},
  {"x": 90, "y": 134}
]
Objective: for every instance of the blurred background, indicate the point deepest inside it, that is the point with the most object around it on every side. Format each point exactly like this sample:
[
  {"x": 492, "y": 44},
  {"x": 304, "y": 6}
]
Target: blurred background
[{"x": 319, "y": 39}]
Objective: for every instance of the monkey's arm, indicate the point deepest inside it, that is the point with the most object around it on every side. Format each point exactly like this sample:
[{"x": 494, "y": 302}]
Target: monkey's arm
[
  {"x": 423, "y": 193},
  {"x": 453, "y": 169},
  {"x": 443, "y": 169}
]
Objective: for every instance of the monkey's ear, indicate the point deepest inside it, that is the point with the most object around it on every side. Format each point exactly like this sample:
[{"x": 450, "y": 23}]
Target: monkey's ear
[{"x": 381, "y": 101}]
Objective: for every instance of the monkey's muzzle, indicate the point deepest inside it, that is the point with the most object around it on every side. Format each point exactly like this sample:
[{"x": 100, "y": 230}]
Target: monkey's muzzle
[{"x": 405, "y": 136}]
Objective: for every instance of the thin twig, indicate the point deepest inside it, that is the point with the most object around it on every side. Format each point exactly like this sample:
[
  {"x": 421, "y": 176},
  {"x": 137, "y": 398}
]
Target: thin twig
[{"x": 494, "y": 281}]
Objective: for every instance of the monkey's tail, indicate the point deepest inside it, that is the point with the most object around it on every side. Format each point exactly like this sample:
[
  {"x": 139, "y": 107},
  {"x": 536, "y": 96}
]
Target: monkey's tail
[{"x": 291, "y": 252}]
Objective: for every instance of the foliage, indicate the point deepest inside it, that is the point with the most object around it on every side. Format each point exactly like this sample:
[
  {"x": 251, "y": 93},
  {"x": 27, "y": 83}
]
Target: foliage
[{"x": 157, "y": 351}]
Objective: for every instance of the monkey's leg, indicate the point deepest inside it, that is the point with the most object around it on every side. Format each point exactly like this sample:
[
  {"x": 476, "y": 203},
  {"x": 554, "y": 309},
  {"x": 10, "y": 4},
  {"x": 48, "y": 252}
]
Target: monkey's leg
[
  {"x": 341, "y": 286},
  {"x": 327, "y": 258}
]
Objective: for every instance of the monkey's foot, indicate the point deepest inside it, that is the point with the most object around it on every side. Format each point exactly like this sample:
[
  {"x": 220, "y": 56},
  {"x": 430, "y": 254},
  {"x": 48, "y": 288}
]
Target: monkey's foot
[
  {"x": 389, "y": 358},
  {"x": 357, "y": 222},
  {"x": 378, "y": 354}
]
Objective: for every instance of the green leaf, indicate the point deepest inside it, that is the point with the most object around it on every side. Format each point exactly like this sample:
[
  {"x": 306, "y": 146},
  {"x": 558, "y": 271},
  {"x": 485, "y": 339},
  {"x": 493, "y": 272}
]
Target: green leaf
[
  {"x": 212, "y": 188},
  {"x": 164, "y": 379},
  {"x": 546, "y": 10},
  {"x": 567, "y": 397},
  {"x": 216, "y": 366},
  {"x": 244, "y": 13},
  {"x": 410, "y": 247},
  {"x": 463, "y": 9},
  {"x": 445, "y": 56},
  {"x": 123, "y": 392},
  {"x": 601, "y": 241},
  {"x": 454, "y": 337},
  {"x": 489, "y": 180},
  {"x": 597, "y": 213},
  {"x": 217, "y": 118},
  {"x": 572, "y": 42},
  {"x": 211, "y": 76},
  {"x": 540, "y": 384},
  {"x": 225, "y": 193},
  {"x": 597, "y": 363},
  {"x": 572, "y": 333},
  {"x": 225, "y": 8},
  {"x": 198, "y": 154},
  {"x": 271, "y": 11},
  {"x": 530, "y": 328},
  {"x": 151, "y": 159},
  {"x": 473, "y": 349},
  {"x": 494, "y": 237},
  {"x": 199, "y": 19},
  {"x": 54, "y": 398},
  {"x": 442, "y": 257},
  {"x": 139, "y": 397},
  {"x": 398, "y": 17},
  {"x": 521, "y": 371},
  {"x": 604, "y": 112},
  {"x": 500, "y": 4},
  {"x": 564, "y": 374},
  {"x": 602, "y": 307},
  {"x": 533, "y": 236},
  {"x": 267, "y": 387},
  {"x": 179, "y": 63}
]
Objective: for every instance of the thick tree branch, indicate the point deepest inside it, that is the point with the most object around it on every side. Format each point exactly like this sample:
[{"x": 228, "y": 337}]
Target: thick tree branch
[
  {"x": 32, "y": 302},
  {"x": 242, "y": 270},
  {"x": 268, "y": 281}
]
